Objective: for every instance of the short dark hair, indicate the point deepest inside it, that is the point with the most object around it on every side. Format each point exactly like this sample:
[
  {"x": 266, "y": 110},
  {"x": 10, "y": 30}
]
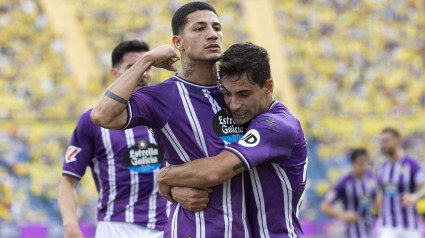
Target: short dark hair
[
  {"x": 392, "y": 131},
  {"x": 246, "y": 58},
  {"x": 125, "y": 47},
  {"x": 180, "y": 16},
  {"x": 355, "y": 153}
]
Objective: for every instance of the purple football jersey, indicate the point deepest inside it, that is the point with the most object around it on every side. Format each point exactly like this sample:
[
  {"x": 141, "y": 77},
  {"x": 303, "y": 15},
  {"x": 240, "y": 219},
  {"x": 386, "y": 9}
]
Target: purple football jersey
[
  {"x": 275, "y": 153},
  {"x": 125, "y": 193},
  {"x": 356, "y": 195},
  {"x": 394, "y": 179},
  {"x": 189, "y": 121}
]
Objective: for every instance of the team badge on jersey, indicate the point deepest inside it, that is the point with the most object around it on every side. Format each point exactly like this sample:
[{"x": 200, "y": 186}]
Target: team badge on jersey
[
  {"x": 144, "y": 157},
  {"x": 71, "y": 152},
  {"x": 226, "y": 128},
  {"x": 250, "y": 139}
]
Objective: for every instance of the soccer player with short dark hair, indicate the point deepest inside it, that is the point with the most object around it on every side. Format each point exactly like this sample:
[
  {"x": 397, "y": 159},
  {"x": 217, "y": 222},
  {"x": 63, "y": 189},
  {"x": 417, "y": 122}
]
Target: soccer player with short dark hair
[
  {"x": 357, "y": 192},
  {"x": 401, "y": 182},
  {"x": 273, "y": 151},
  {"x": 187, "y": 115},
  {"x": 129, "y": 203}
]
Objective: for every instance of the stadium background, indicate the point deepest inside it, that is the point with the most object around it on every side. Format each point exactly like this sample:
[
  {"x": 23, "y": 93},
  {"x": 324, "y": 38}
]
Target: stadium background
[{"x": 347, "y": 68}]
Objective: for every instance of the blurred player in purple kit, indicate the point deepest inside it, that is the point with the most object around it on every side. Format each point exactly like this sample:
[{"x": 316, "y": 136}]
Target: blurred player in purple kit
[
  {"x": 273, "y": 150},
  {"x": 357, "y": 191},
  {"x": 401, "y": 182},
  {"x": 129, "y": 204},
  {"x": 185, "y": 113}
]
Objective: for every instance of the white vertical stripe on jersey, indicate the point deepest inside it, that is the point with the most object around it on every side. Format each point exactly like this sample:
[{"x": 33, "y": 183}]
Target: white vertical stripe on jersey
[
  {"x": 200, "y": 224},
  {"x": 227, "y": 209},
  {"x": 387, "y": 200},
  {"x": 349, "y": 190},
  {"x": 168, "y": 208},
  {"x": 152, "y": 201},
  {"x": 299, "y": 203},
  {"x": 360, "y": 193},
  {"x": 245, "y": 227},
  {"x": 111, "y": 173},
  {"x": 175, "y": 143},
  {"x": 297, "y": 211},
  {"x": 227, "y": 203},
  {"x": 287, "y": 194},
  {"x": 97, "y": 173},
  {"x": 193, "y": 118},
  {"x": 259, "y": 201},
  {"x": 397, "y": 199},
  {"x": 410, "y": 209},
  {"x": 174, "y": 222},
  {"x": 134, "y": 179},
  {"x": 154, "y": 194},
  {"x": 216, "y": 108}
]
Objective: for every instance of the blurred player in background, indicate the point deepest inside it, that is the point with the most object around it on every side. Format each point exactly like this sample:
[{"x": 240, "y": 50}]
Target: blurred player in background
[
  {"x": 129, "y": 204},
  {"x": 357, "y": 191},
  {"x": 273, "y": 149},
  {"x": 401, "y": 181},
  {"x": 184, "y": 113}
]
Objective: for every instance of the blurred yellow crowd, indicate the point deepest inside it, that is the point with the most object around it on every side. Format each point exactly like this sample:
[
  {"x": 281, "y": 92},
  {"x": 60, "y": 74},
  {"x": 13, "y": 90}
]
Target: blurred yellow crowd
[{"x": 356, "y": 66}]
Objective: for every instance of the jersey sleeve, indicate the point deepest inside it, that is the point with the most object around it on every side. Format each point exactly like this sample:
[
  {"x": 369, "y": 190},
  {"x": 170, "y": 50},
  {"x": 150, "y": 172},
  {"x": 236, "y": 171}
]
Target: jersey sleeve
[
  {"x": 151, "y": 106},
  {"x": 418, "y": 173},
  {"x": 81, "y": 147},
  {"x": 263, "y": 142},
  {"x": 336, "y": 193}
]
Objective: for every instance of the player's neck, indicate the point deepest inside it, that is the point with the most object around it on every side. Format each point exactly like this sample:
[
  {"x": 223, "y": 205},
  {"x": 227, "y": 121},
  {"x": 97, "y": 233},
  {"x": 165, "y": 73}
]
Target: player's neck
[
  {"x": 358, "y": 175},
  {"x": 203, "y": 73},
  {"x": 394, "y": 157}
]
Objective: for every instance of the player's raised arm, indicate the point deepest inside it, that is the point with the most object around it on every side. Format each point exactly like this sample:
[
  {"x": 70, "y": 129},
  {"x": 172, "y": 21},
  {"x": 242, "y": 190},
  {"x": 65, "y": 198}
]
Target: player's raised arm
[{"x": 110, "y": 111}]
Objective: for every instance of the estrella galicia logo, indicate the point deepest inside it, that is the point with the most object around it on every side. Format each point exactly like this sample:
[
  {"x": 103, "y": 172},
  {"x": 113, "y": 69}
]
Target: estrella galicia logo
[
  {"x": 226, "y": 128},
  {"x": 143, "y": 157},
  {"x": 250, "y": 139}
]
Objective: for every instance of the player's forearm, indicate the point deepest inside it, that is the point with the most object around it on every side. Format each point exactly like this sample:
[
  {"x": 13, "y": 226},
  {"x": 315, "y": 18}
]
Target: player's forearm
[
  {"x": 192, "y": 174},
  {"x": 68, "y": 202},
  {"x": 112, "y": 105},
  {"x": 327, "y": 209},
  {"x": 203, "y": 173}
]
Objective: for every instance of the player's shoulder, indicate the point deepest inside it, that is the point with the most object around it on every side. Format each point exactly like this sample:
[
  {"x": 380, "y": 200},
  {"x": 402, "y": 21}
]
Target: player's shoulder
[
  {"x": 411, "y": 161},
  {"x": 161, "y": 87},
  {"x": 278, "y": 118}
]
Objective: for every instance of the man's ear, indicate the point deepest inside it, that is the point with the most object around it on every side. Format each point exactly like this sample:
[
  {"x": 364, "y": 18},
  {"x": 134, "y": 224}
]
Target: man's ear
[
  {"x": 269, "y": 85},
  {"x": 178, "y": 42},
  {"x": 113, "y": 72}
]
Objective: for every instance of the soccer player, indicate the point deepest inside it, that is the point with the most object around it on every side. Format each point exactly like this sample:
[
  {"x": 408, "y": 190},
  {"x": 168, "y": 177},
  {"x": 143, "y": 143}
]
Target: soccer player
[
  {"x": 129, "y": 204},
  {"x": 401, "y": 181},
  {"x": 357, "y": 192},
  {"x": 186, "y": 114},
  {"x": 273, "y": 148}
]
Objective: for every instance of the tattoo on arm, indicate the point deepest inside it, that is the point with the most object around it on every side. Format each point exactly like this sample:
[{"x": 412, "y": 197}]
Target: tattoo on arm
[
  {"x": 238, "y": 166},
  {"x": 115, "y": 97},
  {"x": 188, "y": 68}
]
